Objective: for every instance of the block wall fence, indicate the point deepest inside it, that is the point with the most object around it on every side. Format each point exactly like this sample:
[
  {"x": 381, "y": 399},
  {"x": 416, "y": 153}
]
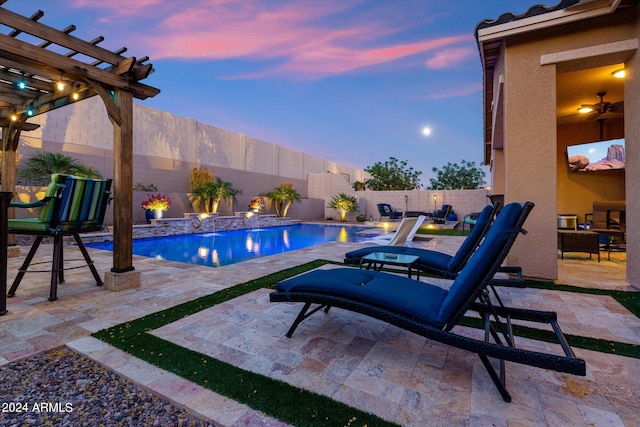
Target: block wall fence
[{"x": 167, "y": 147}]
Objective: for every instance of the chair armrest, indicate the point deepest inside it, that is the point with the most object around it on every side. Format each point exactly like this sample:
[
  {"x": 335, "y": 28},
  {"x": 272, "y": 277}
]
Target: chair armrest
[
  {"x": 35, "y": 204},
  {"x": 513, "y": 282}
]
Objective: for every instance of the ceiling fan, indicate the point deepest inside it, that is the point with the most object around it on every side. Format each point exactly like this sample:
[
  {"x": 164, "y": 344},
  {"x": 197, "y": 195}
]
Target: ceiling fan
[{"x": 601, "y": 107}]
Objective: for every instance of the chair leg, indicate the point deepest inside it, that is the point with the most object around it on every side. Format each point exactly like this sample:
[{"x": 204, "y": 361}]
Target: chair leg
[
  {"x": 88, "y": 259},
  {"x": 25, "y": 265},
  {"x": 56, "y": 268}
]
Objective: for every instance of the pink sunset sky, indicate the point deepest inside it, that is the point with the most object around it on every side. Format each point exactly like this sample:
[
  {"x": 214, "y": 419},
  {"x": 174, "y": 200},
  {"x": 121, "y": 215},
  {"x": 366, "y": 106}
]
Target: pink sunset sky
[{"x": 350, "y": 81}]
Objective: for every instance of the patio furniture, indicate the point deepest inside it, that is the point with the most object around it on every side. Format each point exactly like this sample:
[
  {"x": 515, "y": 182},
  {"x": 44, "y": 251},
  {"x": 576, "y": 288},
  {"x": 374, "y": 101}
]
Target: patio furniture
[
  {"x": 433, "y": 312},
  {"x": 71, "y": 205},
  {"x": 377, "y": 260},
  {"x": 385, "y": 209},
  {"x": 608, "y": 219},
  {"x": 440, "y": 216},
  {"x": 578, "y": 241},
  {"x": 434, "y": 262},
  {"x": 403, "y": 236}
]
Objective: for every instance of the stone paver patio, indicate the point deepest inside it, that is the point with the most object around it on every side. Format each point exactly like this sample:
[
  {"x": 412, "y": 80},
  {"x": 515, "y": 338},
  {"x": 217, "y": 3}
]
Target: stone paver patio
[{"x": 354, "y": 359}]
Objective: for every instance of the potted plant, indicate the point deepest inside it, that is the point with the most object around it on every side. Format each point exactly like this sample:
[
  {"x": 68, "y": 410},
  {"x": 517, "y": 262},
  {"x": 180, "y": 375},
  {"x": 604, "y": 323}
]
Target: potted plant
[
  {"x": 452, "y": 216},
  {"x": 344, "y": 204},
  {"x": 155, "y": 205}
]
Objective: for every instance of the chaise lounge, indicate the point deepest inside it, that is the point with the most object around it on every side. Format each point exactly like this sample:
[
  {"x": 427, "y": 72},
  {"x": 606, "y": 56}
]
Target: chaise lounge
[
  {"x": 434, "y": 262},
  {"x": 433, "y": 312}
]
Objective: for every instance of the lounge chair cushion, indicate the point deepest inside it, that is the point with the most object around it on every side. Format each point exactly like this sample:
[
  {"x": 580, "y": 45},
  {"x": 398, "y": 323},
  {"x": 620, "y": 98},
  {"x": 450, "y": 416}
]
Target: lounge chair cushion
[
  {"x": 392, "y": 292},
  {"x": 477, "y": 267},
  {"x": 433, "y": 260}
]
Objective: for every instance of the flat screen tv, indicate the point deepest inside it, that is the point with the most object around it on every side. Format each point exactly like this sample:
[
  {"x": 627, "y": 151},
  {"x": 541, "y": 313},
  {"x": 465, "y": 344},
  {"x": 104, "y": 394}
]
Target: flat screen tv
[{"x": 596, "y": 156}]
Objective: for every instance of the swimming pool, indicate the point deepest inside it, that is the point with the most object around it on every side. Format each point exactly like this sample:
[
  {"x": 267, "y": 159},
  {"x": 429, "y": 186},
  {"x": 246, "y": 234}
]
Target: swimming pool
[{"x": 230, "y": 247}]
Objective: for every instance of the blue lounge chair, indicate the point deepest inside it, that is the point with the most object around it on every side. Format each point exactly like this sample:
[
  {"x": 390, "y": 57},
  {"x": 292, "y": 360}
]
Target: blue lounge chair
[
  {"x": 435, "y": 262},
  {"x": 431, "y": 311},
  {"x": 385, "y": 209},
  {"x": 72, "y": 205}
]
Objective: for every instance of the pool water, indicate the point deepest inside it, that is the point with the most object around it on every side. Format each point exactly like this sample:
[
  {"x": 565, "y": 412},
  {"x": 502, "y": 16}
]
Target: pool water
[{"x": 230, "y": 247}]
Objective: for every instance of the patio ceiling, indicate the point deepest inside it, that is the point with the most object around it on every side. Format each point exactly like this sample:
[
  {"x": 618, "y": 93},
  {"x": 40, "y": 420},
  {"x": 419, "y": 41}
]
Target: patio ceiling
[{"x": 35, "y": 58}]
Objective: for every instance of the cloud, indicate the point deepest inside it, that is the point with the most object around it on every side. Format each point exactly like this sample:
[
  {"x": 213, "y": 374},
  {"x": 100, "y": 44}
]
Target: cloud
[
  {"x": 457, "y": 91},
  {"x": 305, "y": 39},
  {"x": 451, "y": 57}
]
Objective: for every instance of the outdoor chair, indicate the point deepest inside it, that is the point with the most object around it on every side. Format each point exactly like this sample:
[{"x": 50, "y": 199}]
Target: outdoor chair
[
  {"x": 608, "y": 219},
  {"x": 434, "y": 262},
  {"x": 440, "y": 216},
  {"x": 432, "y": 311},
  {"x": 71, "y": 205},
  {"x": 403, "y": 236},
  {"x": 385, "y": 209}
]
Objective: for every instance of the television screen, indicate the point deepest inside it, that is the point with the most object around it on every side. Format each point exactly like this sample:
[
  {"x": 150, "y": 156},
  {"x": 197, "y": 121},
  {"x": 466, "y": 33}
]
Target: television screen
[{"x": 596, "y": 156}]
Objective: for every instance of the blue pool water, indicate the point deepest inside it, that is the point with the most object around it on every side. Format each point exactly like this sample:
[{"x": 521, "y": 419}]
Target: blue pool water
[{"x": 229, "y": 247}]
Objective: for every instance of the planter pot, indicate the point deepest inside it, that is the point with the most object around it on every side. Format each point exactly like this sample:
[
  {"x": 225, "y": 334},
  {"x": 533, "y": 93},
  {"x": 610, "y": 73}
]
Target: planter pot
[
  {"x": 453, "y": 217},
  {"x": 149, "y": 215}
]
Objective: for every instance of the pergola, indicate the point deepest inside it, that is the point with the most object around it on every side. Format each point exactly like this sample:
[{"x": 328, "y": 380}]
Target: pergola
[{"x": 42, "y": 69}]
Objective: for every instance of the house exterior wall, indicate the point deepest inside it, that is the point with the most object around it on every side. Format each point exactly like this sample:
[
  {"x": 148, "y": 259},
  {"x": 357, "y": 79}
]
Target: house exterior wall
[
  {"x": 529, "y": 149},
  {"x": 533, "y": 155},
  {"x": 632, "y": 142}
]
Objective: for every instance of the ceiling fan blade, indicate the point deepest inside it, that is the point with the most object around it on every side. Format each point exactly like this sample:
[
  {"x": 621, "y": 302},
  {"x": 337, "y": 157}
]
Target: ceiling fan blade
[{"x": 616, "y": 107}]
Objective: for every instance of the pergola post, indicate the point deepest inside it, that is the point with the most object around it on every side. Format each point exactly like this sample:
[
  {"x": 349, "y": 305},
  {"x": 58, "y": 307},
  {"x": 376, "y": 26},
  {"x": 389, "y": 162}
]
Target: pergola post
[{"x": 122, "y": 275}]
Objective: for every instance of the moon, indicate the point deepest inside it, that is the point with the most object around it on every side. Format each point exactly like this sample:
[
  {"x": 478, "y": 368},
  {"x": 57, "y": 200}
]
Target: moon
[{"x": 426, "y": 131}]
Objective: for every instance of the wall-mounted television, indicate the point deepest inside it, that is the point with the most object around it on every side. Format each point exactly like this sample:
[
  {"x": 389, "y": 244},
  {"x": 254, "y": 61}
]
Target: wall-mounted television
[{"x": 596, "y": 156}]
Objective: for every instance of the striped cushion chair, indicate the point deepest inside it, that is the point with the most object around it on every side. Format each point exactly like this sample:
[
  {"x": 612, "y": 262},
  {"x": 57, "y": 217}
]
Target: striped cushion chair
[{"x": 71, "y": 205}]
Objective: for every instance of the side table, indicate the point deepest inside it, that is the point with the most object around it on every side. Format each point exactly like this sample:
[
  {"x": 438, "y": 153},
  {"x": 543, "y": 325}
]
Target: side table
[{"x": 377, "y": 260}]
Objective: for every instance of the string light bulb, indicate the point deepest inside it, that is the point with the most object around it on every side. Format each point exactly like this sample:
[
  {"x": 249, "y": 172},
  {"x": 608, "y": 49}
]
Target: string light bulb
[
  {"x": 60, "y": 85},
  {"x": 76, "y": 95},
  {"x": 30, "y": 112},
  {"x": 21, "y": 84},
  {"x": 14, "y": 117}
]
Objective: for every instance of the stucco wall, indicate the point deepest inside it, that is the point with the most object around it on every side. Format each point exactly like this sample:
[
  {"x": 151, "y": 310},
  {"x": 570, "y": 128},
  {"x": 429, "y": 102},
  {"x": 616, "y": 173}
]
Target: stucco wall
[
  {"x": 534, "y": 146},
  {"x": 632, "y": 143}
]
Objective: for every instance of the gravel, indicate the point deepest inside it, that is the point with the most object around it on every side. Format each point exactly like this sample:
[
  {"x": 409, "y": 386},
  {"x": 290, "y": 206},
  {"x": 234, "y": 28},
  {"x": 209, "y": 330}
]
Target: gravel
[{"x": 62, "y": 388}]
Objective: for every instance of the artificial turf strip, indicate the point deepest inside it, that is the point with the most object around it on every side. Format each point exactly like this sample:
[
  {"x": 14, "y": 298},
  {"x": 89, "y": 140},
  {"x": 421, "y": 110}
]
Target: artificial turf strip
[
  {"x": 297, "y": 406},
  {"x": 273, "y": 397}
]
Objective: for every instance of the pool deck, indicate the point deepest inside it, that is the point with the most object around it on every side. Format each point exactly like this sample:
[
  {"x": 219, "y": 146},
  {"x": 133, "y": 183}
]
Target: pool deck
[{"x": 354, "y": 359}]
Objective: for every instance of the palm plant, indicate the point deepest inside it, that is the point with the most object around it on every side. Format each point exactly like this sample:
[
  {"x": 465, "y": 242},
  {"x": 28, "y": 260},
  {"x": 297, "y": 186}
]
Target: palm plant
[
  {"x": 37, "y": 169},
  {"x": 283, "y": 197},
  {"x": 344, "y": 204},
  {"x": 211, "y": 193}
]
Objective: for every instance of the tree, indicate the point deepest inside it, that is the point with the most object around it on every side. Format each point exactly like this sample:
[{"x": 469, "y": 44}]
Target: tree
[
  {"x": 283, "y": 197},
  {"x": 38, "y": 168},
  {"x": 466, "y": 176},
  {"x": 211, "y": 193},
  {"x": 344, "y": 204},
  {"x": 392, "y": 175}
]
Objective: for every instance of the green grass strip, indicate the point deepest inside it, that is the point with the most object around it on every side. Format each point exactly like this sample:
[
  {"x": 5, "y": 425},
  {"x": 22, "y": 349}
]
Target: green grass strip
[
  {"x": 273, "y": 397},
  {"x": 282, "y": 400}
]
